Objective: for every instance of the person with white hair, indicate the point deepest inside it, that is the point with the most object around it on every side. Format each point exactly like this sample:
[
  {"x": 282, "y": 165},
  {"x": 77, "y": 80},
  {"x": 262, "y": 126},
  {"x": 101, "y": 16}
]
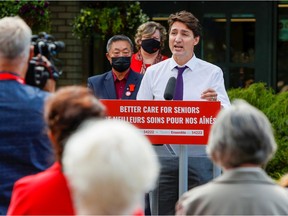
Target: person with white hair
[
  {"x": 109, "y": 165},
  {"x": 241, "y": 141},
  {"x": 25, "y": 148}
]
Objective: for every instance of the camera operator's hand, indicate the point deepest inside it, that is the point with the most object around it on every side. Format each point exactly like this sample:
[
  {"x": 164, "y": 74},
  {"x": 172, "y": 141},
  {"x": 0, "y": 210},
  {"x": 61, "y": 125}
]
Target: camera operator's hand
[
  {"x": 44, "y": 59},
  {"x": 50, "y": 85}
]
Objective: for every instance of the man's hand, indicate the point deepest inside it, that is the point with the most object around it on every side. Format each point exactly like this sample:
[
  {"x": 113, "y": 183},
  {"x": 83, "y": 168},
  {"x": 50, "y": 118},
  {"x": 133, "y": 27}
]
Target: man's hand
[
  {"x": 50, "y": 85},
  {"x": 209, "y": 94},
  {"x": 44, "y": 59}
]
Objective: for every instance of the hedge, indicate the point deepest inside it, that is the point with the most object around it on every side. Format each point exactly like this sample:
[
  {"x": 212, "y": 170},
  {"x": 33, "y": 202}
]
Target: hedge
[{"x": 275, "y": 107}]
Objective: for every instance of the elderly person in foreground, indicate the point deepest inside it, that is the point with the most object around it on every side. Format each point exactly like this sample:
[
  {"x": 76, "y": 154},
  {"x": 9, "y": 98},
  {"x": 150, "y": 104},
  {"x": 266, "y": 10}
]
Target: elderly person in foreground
[
  {"x": 241, "y": 142},
  {"x": 111, "y": 169}
]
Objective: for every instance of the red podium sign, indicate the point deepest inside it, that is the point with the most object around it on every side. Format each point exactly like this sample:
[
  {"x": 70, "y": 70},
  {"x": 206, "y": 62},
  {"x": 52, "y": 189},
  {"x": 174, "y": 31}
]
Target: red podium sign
[{"x": 175, "y": 122}]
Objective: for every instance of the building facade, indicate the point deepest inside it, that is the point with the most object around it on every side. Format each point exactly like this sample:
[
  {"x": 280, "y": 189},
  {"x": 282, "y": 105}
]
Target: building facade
[{"x": 248, "y": 40}]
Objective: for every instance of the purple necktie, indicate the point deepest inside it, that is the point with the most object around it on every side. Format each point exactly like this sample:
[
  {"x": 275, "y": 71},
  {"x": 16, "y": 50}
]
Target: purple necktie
[{"x": 178, "y": 93}]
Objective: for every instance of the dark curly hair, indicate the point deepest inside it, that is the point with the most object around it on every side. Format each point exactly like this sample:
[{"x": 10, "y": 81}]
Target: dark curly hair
[{"x": 66, "y": 109}]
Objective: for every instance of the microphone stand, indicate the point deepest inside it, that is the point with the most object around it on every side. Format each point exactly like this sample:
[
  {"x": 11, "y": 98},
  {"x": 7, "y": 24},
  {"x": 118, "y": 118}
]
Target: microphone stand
[
  {"x": 183, "y": 154},
  {"x": 183, "y": 169}
]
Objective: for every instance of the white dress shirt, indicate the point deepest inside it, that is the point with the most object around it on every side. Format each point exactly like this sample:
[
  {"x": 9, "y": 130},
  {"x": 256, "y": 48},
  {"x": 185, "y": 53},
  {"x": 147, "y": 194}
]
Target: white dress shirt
[{"x": 199, "y": 76}]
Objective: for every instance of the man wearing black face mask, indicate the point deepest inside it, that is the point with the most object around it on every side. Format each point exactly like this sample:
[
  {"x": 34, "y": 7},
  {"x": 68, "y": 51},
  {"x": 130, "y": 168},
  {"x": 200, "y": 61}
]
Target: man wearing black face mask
[{"x": 121, "y": 82}]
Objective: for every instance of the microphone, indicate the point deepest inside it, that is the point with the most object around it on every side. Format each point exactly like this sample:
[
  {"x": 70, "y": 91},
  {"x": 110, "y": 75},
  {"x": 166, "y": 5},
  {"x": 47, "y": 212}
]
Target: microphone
[{"x": 170, "y": 88}]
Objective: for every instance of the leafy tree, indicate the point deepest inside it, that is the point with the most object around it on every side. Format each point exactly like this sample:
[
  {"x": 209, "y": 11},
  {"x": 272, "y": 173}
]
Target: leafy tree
[
  {"x": 108, "y": 18},
  {"x": 34, "y": 12}
]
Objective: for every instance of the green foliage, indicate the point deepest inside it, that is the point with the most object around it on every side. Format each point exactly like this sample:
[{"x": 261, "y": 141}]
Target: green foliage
[
  {"x": 34, "y": 12},
  {"x": 278, "y": 115},
  {"x": 275, "y": 107},
  {"x": 134, "y": 17},
  {"x": 108, "y": 20},
  {"x": 257, "y": 95}
]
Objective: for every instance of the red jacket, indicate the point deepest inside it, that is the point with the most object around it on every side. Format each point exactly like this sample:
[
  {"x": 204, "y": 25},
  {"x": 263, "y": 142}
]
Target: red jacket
[{"x": 45, "y": 193}]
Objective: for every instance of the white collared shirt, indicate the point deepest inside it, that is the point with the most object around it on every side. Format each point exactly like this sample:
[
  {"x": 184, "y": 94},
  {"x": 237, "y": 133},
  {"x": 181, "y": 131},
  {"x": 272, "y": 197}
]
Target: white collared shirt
[{"x": 198, "y": 77}]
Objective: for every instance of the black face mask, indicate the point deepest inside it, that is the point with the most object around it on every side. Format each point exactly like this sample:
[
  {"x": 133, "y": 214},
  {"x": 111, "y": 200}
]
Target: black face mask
[
  {"x": 150, "y": 45},
  {"x": 121, "y": 64}
]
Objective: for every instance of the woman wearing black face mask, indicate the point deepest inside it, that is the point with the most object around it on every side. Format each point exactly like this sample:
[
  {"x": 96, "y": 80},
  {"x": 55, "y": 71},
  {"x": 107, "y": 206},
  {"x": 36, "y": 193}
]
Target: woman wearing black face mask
[{"x": 149, "y": 41}]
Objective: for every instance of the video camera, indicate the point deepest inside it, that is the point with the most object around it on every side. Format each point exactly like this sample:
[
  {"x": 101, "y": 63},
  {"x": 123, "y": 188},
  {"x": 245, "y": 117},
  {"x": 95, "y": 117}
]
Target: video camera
[{"x": 38, "y": 72}]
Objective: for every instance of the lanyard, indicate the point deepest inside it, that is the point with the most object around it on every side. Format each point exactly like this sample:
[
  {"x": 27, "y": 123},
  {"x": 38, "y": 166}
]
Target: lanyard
[{"x": 11, "y": 76}]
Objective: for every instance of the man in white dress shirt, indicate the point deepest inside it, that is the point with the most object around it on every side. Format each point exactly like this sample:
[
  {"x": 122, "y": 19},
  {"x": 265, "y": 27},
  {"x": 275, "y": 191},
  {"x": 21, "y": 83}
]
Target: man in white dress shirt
[{"x": 201, "y": 81}]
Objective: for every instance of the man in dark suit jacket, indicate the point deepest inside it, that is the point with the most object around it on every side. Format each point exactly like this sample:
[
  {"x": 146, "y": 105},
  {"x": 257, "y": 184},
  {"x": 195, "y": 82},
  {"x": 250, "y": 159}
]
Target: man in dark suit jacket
[
  {"x": 24, "y": 146},
  {"x": 120, "y": 82}
]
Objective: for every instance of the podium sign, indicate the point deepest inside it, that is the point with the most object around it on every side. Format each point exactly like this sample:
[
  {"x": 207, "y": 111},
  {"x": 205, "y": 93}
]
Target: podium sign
[{"x": 175, "y": 122}]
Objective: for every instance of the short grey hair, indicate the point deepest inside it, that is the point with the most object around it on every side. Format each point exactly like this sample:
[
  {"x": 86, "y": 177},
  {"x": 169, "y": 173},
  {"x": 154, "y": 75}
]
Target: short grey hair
[
  {"x": 241, "y": 134},
  {"x": 15, "y": 38},
  {"x": 119, "y": 38},
  {"x": 109, "y": 165}
]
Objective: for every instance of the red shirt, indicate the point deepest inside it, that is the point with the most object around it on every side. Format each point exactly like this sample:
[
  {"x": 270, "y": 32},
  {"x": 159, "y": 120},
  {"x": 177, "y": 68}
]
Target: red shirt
[
  {"x": 45, "y": 193},
  {"x": 136, "y": 62},
  {"x": 120, "y": 84}
]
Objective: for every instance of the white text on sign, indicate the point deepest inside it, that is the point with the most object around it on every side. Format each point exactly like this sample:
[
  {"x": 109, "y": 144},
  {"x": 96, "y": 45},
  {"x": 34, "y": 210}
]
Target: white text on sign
[{"x": 157, "y": 109}]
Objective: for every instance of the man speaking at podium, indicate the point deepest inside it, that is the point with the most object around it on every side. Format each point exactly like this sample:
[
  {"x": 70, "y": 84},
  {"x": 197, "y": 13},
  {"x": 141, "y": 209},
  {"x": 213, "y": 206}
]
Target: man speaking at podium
[{"x": 182, "y": 77}]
